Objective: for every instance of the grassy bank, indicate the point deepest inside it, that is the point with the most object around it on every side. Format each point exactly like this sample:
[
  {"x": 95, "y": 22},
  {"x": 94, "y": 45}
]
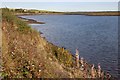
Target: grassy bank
[{"x": 25, "y": 54}]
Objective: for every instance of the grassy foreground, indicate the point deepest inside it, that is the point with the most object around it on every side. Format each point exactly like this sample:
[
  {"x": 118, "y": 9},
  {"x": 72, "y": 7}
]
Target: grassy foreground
[{"x": 25, "y": 54}]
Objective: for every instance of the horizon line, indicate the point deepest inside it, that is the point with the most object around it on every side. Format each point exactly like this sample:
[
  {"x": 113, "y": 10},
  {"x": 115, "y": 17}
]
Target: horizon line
[{"x": 66, "y": 11}]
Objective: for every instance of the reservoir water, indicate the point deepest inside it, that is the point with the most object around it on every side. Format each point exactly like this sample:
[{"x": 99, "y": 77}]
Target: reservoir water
[{"x": 96, "y": 37}]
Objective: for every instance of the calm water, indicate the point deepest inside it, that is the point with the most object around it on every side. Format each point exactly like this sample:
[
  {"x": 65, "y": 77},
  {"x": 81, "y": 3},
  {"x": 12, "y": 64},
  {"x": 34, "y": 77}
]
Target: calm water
[{"x": 96, "y": 37}]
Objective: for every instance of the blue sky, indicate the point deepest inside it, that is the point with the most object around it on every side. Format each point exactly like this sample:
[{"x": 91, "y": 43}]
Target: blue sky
[{"x": 64, "y": 6}]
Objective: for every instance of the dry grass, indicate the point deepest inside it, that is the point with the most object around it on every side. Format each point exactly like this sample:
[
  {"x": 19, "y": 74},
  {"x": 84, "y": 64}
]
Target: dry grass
[{"x": 26, "y": 54}]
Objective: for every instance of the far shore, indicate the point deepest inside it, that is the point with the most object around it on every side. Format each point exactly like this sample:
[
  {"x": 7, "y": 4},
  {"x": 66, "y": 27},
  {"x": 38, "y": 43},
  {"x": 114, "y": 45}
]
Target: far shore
[{"x": 109, "y": 13}]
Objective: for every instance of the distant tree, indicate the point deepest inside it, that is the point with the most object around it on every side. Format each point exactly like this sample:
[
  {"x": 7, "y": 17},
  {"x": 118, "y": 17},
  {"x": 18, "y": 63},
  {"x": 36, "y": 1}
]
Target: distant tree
[{"x": 19, "y": 10}]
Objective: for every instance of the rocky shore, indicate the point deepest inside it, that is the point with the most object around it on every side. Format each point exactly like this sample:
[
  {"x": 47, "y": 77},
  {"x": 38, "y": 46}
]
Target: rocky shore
[{"x": 31, "y": 21}]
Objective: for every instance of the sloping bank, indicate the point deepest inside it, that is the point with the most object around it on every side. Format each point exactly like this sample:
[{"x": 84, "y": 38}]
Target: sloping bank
[{"x": 25, "y": 54}]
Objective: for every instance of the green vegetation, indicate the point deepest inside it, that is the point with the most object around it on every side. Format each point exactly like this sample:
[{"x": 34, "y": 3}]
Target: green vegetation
[
  {"x": 21, "y": 25},
  {"x": 32, "y": 11}
]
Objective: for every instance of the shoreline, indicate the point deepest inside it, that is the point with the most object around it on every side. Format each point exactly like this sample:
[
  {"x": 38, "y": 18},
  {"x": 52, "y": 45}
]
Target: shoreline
[
  {"x": 73, "y": 56},
  {"x": 31, "y": 21},
  {"x": 74, "y": 13}
]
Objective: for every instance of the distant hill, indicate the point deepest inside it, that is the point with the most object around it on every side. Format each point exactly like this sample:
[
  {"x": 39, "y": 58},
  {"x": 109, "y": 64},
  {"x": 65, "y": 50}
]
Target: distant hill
[
  {"x": 45, "y": 12},
  {"x": 102, "y": 13}
]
